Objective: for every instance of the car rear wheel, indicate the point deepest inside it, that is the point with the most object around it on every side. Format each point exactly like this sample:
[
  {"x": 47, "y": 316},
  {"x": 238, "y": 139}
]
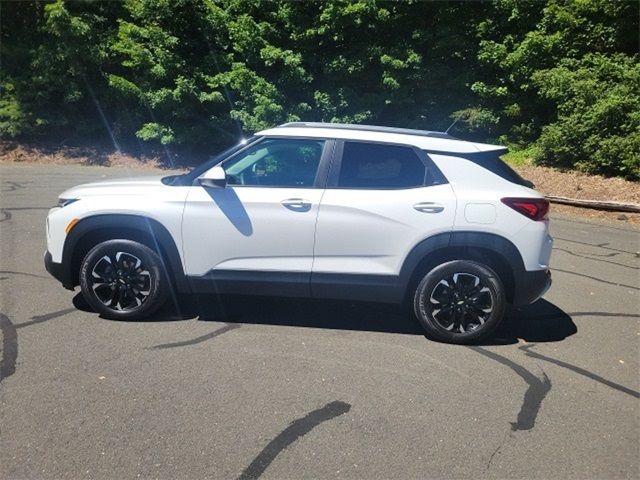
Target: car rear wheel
[
  {"x": 123, "y": 279},
  {"x": 460, "y": 302}
]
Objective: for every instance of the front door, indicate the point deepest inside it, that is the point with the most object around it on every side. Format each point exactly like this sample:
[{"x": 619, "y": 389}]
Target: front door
[{"x": 260, "y": 228}]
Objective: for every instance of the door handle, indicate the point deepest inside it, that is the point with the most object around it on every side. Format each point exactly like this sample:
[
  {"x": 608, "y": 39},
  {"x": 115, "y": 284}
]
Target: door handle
[
  {"x": 297, "y": 204},
  {"x": 428, "y": 207}
]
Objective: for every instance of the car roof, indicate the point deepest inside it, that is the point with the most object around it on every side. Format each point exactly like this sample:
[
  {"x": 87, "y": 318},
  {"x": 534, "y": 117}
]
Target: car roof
[{"x": 423, "y": 139}]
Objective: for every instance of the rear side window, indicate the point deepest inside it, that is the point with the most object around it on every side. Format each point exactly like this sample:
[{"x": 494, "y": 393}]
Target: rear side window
[{"x": 370, "y": 165}]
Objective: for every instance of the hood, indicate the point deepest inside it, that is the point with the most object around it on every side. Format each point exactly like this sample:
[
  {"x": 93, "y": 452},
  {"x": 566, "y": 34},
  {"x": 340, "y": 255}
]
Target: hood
[{"x": 123, "y": 186}]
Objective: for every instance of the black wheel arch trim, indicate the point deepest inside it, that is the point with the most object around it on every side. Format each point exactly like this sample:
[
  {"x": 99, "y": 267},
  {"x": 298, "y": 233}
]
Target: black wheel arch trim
[{"x": 147, "y": 226}]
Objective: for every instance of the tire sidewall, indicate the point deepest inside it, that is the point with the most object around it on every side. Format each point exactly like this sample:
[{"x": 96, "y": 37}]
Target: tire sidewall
[
  {"x": 430, "y": 280},
  {"x": 152, "y": 262}
]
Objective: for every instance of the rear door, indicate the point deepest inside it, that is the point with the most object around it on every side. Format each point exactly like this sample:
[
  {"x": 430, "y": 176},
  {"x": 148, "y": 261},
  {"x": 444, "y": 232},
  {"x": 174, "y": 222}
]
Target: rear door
[{"x": 380, "y": 201}]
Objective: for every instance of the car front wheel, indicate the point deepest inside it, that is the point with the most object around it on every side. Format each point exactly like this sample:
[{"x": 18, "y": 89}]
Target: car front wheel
[
  {"x": 123, "y": 279},
  {"x": 460, "y": 302}
]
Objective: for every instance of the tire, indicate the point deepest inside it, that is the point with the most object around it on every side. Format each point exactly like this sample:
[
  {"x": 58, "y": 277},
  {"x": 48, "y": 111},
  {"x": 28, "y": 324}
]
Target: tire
[
  {"x": 123, "y": 280},
  {"x": 460, "y": 302}
]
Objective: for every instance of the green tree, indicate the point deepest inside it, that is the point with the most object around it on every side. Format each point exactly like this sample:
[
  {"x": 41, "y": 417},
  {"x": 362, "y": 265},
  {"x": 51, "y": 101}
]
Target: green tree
[
  {"x": 52, "y": 59},
  {"x": 521, "y": 37},
  {"x": 194, "y": 75},
  {"x": 597, "y": 128}
]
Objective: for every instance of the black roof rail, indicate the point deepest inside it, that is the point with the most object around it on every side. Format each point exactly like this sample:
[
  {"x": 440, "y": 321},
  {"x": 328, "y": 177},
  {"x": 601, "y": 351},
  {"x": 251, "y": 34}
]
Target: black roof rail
[{"x": 368, "y": 128}]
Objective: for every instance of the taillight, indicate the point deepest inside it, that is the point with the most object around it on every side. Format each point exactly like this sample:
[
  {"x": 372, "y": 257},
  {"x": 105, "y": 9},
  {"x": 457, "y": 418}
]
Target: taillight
[{"x": 533, "y": 208}]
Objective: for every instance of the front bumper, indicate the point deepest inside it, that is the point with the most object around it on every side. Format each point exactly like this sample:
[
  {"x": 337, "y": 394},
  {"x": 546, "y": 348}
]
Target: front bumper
[
  {"x": 530, "y": 286},
  {"x": 56, "y": 271}
]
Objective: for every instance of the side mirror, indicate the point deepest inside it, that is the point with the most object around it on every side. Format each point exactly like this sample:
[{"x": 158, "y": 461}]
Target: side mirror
[{"x": 214, "y": 178}]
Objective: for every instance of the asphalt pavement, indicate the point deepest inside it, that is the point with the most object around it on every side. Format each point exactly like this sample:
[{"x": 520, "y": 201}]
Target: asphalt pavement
[{"x": 273, "y": 388}]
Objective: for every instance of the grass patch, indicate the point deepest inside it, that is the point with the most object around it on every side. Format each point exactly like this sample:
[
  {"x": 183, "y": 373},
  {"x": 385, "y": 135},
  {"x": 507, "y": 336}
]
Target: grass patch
[{"x": 518, "y": 156}]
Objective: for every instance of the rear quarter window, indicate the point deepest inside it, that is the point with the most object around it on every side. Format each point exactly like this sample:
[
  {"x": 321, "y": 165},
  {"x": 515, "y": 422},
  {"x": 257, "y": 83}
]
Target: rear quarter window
[
  {"x": 491, "y": 161},
  {"x": 495, "y": 164}
]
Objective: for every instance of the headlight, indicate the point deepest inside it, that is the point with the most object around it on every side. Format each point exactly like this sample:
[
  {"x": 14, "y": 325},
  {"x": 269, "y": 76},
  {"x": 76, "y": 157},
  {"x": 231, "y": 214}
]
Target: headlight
[{"x": 63, "y": 202}]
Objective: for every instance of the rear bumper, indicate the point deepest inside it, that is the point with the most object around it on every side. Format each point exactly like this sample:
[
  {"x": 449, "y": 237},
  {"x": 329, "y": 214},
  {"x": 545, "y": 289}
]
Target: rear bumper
[
  {"x": 56, "y": 271},
  {"x": 530, "y": 286}
]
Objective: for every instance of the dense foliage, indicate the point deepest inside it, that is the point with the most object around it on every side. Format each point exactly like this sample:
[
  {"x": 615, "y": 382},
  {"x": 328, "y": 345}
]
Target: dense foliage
[{"x": 559, "y": 77}]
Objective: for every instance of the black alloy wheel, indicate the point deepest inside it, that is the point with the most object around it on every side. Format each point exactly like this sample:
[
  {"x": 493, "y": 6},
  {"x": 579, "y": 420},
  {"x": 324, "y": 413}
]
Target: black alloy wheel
[
  {"x": 123, "y": 279},
  {"x": 460, "y": 301},
  {"x": 120, "y": 281}
]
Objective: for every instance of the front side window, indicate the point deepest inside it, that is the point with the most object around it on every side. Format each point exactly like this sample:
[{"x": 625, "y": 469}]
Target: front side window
[
  {"x": 276, "y": 163},
  {"x": 369, "y": 165}
]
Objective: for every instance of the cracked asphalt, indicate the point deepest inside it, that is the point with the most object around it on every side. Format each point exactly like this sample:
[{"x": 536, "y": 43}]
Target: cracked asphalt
[{"x": 273, "y": 388}]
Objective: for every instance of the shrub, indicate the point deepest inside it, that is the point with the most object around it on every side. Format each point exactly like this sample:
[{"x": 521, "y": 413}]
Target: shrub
[{"x": 597, "y": 129}]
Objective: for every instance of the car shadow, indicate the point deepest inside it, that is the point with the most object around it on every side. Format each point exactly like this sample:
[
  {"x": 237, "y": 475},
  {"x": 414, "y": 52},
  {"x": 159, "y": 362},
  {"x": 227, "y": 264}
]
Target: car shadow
[
  {"x": 541, "y": 321},
  {"x": 228, "y": 202}
]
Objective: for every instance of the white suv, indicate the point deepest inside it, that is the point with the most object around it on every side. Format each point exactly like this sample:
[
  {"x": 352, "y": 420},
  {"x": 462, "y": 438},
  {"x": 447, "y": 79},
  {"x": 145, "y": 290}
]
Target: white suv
[{"x": 316, "y": 210}]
